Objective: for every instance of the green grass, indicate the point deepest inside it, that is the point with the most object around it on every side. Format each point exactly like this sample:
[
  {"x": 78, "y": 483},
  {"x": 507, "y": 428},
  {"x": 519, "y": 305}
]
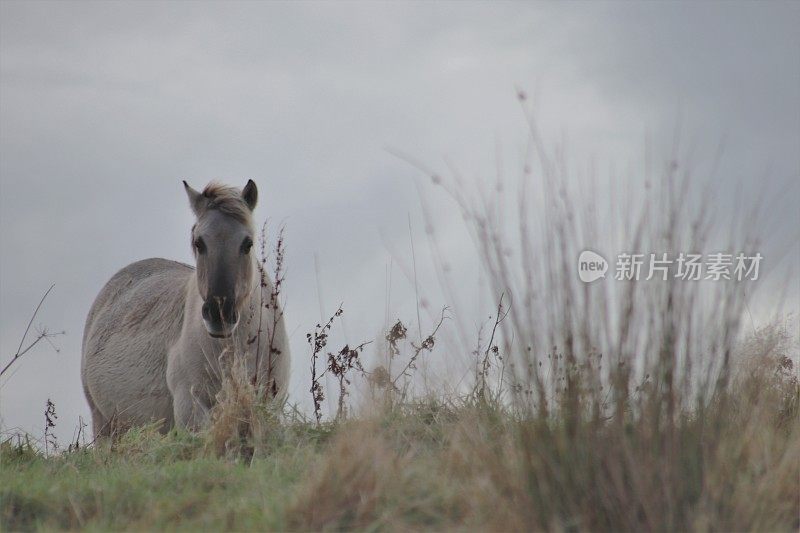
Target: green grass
[{"x": 149, "y": 481}]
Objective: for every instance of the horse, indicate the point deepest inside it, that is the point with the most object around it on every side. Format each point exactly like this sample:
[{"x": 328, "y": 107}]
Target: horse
[{"x": 157, "y": 335}]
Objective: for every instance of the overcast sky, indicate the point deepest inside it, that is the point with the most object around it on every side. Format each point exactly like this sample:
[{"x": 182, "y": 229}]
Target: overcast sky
[{"x": 105, "y": 107}]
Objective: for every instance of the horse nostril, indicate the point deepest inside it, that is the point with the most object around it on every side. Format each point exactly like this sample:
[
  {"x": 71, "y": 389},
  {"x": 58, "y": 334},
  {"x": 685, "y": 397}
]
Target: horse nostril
[{"x": 217, "y": 313}]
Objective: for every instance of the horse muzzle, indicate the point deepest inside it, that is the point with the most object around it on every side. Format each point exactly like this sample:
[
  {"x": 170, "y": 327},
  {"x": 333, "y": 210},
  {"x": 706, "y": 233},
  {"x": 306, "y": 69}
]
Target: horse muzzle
[
  {"x": 220, "y": 321},
  {"x": 220, "y": 331}
]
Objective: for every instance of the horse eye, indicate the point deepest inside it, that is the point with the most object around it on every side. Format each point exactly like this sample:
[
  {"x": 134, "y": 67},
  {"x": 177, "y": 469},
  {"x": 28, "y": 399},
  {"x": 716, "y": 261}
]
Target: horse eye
[
  {"x": 246, "y": 245},
  {"x": 200, "y": 245}
]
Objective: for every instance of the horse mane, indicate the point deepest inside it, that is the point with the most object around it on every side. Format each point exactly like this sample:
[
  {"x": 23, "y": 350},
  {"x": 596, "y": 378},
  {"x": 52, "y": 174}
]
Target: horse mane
[{"x": 227, "y": 200}]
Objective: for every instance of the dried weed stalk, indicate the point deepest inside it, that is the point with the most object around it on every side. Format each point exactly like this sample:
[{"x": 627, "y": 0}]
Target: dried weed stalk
[
  {"x": 50, "y": 417},
  {"x": 481, "y": 390},
  {"x": 318, "y": 341},
  {"x": 42, "y": 335},
  {"x": 271, "y": 303},
  {"x": 340, "y": 364},
  {"x": 382, "y": 377}
]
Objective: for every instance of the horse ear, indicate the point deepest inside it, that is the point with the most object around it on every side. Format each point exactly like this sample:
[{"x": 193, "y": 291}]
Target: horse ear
[
  {"x": 250, "y": 194},
  {"x": 196, "y": 199}
]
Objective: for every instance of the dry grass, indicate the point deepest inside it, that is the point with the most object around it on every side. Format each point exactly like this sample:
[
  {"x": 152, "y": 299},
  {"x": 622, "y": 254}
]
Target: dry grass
[{"x": 733, "y": 466}]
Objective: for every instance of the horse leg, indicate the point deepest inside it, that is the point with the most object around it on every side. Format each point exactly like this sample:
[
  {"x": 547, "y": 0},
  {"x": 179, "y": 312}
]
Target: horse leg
[
  {"x": 191, "y": 409},
  {"x": 101, "y": 427}
]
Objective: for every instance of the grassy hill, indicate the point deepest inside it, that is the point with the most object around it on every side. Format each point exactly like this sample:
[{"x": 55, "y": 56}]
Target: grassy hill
[{"x": 733, "y": 464}]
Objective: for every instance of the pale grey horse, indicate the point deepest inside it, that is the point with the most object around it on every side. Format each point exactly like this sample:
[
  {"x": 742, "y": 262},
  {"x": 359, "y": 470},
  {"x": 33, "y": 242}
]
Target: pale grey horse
[{"x": 159, "y": 331}]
